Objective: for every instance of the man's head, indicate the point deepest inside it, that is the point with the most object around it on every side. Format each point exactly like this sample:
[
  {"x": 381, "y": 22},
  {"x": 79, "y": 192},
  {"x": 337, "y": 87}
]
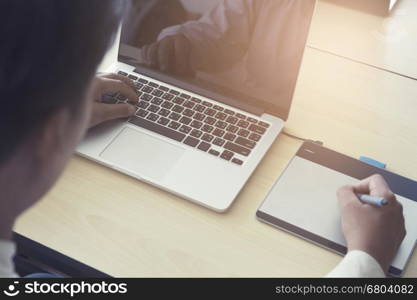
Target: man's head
[{"x": 49, "y": 52}]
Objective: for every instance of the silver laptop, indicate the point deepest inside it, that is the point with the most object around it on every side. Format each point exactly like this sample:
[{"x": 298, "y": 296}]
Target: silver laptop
[{"x": 201, "y": 128}]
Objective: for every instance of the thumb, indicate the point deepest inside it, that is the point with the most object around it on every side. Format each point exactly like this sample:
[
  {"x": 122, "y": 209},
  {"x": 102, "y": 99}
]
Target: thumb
[
  {"x": 116, "y": 111},
  {"x": 347, "y": 196},
  {"x": 105, "y": 112}
]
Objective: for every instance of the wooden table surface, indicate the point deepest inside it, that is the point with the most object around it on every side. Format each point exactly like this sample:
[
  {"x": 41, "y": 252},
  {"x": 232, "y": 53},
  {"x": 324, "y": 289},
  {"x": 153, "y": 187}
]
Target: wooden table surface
[{"x": 124, "y": 227}]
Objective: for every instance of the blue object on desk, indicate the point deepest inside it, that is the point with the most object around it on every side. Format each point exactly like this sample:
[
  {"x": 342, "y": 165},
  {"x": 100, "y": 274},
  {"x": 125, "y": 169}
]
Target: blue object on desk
[{"x": 373, "y": 162}]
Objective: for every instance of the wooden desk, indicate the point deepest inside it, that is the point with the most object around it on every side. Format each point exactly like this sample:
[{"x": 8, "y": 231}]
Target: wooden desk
[
  {"x": 127, "y": 228},
  {"x": 356, "y": 29}
]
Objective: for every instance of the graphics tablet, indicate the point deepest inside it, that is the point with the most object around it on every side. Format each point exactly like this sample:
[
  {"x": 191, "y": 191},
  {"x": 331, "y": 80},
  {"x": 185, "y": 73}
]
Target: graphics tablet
[{"x": 303, "y": 201}]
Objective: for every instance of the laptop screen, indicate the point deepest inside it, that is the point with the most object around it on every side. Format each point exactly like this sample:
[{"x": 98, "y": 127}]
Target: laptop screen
[{"x": 249, "y": 51}]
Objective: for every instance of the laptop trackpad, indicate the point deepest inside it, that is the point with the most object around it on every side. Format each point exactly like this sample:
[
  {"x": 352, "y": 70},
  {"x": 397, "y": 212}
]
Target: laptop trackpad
[{"x": 142, "y": 154}]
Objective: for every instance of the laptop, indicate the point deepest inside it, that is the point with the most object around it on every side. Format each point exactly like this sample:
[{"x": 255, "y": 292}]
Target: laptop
[{"x": 201, "y": 134}]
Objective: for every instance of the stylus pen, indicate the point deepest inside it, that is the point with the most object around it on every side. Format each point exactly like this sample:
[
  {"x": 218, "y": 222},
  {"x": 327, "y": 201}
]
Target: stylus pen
[{"x": 378, "y": 201}]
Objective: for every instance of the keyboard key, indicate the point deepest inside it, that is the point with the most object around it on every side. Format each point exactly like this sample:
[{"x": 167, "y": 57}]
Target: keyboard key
[
  {"x": 157, "y": 93},
  {"x": 232, "y": 129},
  {"x": 210, "y": 112},
  {"x": 163, "y": 121},
  {"x": 240, "y": 116},
  {"x": 210, "y": 120},
  {"x": 208, "y": 104},
  {"x": 199, "y": 108},
  {"x": 138, "y": 85},
  {"x": 255, "y": 137},
  {"x": 229, "y": 112},
  {"x": 221, "y": 124},
  {"x": 153, "y": 84},
  {"x": 207, "y": 137},
  {"x": 207, "y": 128},
  {"x": 146, "y": 97},
  {"x": 237, "y": 149},
  {"x": 133, "y": 77},
  {"x": 185, "y": 96},
  {"x": 174, "y": 116},
  {"x": 178, "y": 100},
  {"x": 174, "y": 92},
  {"x": 142, "y": 113},
  {"x": 263, "y": 124},
  {"x": 188, "y": 112},
  {"x": 163, "y": 88},
  {"x": 153, "y": 117},
  {"x": 196, "y": 133},
  {"x": 168, "y": 96},
  {"x": 143, "y": 104},
  {"x": 204, "y": 146},
  {"x": 164, "y": 112},
  {"x": 243, "y": 133},
  {"x": 189, "y": 104},
  {"x": 174, "y": 125},
  {"x": 196, "y": 100},
  {"x": 214, "y": 152},
  {"x": 218, "y": 132},
  {"x": 144, "y": 81},
  {"x": 153, "y": 108},
  {"x": 257, "y": 129},
  {"x": 185, "y": 129},
  {"x": 229, "y": 137},
  {"x": 237, "y": 161},
  {"x": 221, "y": 116},
  {"x": 185, "y": 120},
  {"x": 178, "y": 109},
  {"x": 199, "y": 117},
  {"x": 175, "y": 135},
  {"x": 167, "y": 105},
  {"x": 190, "y": 141},
  {"x": 227, "y": 155},
  {"x": 245, "y": 143},
  {"x": 243, "y": 124},
  {"x": 147, "y": 89},
  {"x": 122, "y": 73},
  {"x": 157, "y": 101},
  {"x": 252, "y": 120},
  {"x": 231, "y": 120},
  {"x": 219, "y": 108},
  {"x": 219, "y": 142},
  {"x": 196, "y": 124}
]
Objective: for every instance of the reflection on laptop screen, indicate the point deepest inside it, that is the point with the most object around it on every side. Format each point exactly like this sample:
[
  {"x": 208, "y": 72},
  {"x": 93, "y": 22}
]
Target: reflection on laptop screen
[{"x": 248, "y": 50}]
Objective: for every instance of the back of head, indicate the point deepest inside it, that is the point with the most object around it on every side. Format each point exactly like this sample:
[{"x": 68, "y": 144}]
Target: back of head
[{"x": 49, "y": 51}]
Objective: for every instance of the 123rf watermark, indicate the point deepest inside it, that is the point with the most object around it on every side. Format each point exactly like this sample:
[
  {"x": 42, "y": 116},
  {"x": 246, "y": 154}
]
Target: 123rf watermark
[
  {"x": 365, "y": 289},
  {"x": 64, "y": 288}
]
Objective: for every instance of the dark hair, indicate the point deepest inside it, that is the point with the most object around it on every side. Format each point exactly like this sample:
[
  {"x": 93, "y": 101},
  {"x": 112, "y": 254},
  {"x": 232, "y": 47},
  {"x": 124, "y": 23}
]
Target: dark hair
[{"x": 49, "y": 51}]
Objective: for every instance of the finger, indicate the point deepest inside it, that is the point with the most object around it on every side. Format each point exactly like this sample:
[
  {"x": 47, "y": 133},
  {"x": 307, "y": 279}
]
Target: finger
[
  {"x": 113, "y": 85},
  {"x": 375, "y": 186},
  {"x": 166, "y": 54},
  {"x": 125, "y": 79},
  {"x": 182, "y": 55},
  {"x": 347, "y": 196},
  {"x": 105, "y": 112}
]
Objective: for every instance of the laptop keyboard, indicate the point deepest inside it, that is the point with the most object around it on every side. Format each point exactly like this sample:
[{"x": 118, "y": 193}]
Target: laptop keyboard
[{"x": 197, "y": 123}]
